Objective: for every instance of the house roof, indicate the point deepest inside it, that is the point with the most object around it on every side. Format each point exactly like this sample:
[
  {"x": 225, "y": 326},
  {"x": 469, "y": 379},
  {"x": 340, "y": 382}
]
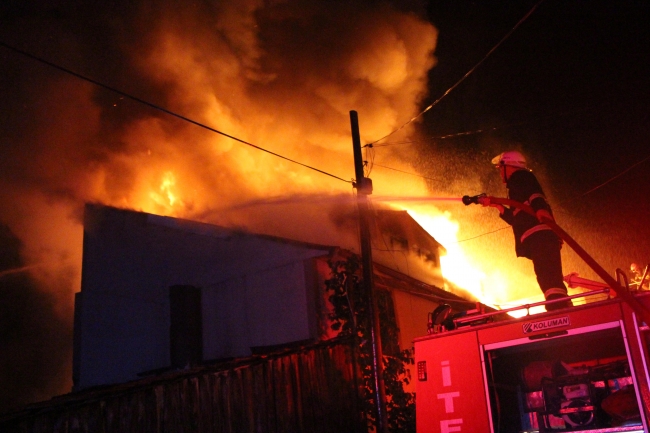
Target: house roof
[
  {"x": 398, "y": 223},
  {"x": 391, "y": 279},
  {"x": 96, "y": 211},
  {"x": 238, "y": 246}
]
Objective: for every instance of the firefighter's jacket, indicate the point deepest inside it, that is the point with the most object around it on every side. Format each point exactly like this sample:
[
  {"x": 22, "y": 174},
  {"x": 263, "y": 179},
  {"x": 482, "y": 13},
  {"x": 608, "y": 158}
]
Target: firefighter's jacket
[{"x": 524, "y": 188}]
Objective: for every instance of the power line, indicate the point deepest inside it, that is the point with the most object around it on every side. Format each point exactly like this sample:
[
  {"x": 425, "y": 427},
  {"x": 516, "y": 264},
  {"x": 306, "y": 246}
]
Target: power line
[
  {"x": 521, "y": 21},
  {"x": 481, "y": 235},
  {"x": 617, "y": 176},
  {"x": 406, "y": 172},
  {"x": 164, "y": 110},
  {"x": 441, "y": 137},
  {"x": 584, "y": 194},
  {"x": 502, "y": 228},
  {"x": 370, "y": 159},
  {"x": 383, "y": 239},
  {"x": 494, "y": 128}
]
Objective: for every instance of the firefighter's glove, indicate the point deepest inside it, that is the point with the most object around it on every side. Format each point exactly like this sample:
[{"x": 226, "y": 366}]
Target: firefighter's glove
[
  {"x": 485, "y": 201},
  {"x": 543, "y": 215}
]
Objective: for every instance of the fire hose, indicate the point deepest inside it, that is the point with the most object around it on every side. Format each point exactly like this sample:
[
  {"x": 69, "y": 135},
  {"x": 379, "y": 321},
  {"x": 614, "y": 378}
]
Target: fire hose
[{"x": 621, "y": 292}]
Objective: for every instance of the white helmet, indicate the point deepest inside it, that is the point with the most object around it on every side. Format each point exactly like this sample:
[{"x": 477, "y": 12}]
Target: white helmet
[{"x": 512, "y": 158}]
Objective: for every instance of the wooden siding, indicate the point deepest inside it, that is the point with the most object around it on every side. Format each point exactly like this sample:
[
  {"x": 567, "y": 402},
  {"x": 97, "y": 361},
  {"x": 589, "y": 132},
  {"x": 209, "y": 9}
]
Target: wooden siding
[{"x": 311, "y": 389}]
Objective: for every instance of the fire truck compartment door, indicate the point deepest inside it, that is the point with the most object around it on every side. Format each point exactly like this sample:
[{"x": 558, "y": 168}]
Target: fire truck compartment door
[{"x": 452, "y": 398}]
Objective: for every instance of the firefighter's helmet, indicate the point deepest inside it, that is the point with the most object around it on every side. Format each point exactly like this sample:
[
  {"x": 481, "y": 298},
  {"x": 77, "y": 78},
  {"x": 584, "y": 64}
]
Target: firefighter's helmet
[{"x": 512, "y": 158}]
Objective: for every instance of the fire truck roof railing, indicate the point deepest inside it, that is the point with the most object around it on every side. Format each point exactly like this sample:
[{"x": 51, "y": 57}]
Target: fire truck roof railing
[{"x": 480, "y": 317}]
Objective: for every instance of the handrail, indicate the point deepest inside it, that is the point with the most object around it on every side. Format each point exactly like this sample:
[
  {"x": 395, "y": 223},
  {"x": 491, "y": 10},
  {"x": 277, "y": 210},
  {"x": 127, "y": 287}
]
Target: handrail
[
  {"x": 620, "y": 275},
  {"x": 476, "y": 317}
]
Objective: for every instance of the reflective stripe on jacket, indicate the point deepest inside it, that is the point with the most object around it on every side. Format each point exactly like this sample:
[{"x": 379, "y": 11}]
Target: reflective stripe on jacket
[{"x": 523, "y": 187}]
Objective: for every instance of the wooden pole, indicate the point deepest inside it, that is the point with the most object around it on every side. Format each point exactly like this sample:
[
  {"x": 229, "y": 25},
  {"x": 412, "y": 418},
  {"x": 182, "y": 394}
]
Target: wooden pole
[{"x": 364, "y": 188}]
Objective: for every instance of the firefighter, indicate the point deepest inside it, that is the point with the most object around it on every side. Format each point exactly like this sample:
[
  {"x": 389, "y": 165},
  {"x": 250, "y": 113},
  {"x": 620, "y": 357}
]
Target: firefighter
[
  {"x": 533, "y": 239},
  {"x": 637, "y": 277}
]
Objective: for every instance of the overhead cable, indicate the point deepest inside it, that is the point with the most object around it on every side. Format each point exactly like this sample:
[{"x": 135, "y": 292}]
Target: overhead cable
[
  {"x": 493, "y": 128},
  {"x": 584, "y": 194},
  {"x": 370, "y": 159},
  {"x": 406, "y": 172},
  {"x": 617, "y": 176},
  {"x": 441, "y": 137},
  {"x": 521, "y": 21},
  {"x": 164, "y": 110},
  {"x": 502, "y": 228},
  {"x": 383, "y": 239},
  {"x": 481, "y": 235}
]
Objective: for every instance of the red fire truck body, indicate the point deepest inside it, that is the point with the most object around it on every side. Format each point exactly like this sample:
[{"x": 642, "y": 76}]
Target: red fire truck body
[{"x": 582, "y": 368}]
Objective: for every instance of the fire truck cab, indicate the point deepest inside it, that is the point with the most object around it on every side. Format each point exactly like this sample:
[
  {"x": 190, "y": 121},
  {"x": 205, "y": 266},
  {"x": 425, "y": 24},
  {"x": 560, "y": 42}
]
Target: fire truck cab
[{"x": 582, "y": 368}]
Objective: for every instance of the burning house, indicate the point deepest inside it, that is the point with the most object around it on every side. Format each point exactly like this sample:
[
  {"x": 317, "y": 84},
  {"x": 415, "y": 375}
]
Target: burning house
[
  {"x": 161, "y": 292},
  {"x": 163, "y": 298},
  {"x": 153, "y": 287}
]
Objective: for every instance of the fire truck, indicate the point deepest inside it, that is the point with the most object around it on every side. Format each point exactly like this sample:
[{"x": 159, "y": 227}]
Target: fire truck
[{"x": 582, "y": 368}]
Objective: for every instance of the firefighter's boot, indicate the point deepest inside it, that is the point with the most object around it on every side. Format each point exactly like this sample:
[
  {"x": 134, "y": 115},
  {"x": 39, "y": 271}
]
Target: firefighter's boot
[{"x": 552, "y": 294}]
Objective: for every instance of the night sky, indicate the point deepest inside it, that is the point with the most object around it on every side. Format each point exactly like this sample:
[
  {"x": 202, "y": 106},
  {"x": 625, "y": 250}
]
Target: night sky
[
  {"x": 569, "y": 88},
  {"x": 570, "y": 84}
]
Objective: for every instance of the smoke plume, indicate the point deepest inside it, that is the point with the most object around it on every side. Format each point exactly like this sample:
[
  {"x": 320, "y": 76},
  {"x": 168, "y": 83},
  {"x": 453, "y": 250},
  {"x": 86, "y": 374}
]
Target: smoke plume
[{"x": 282, "y": 75}]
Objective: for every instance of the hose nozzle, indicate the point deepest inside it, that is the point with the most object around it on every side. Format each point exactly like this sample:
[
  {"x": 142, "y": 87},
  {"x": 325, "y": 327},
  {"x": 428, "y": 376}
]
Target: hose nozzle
[{"x": 467, "y": 200}]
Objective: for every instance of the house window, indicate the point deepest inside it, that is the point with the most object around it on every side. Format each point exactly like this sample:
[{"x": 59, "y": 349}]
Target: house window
[{"x": 399, "y": 243}]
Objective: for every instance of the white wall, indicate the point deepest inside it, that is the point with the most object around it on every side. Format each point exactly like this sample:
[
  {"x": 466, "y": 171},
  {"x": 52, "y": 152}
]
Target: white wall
[
  {"x": 254, "y": 291},
  {"x": 265, "y": 308}
]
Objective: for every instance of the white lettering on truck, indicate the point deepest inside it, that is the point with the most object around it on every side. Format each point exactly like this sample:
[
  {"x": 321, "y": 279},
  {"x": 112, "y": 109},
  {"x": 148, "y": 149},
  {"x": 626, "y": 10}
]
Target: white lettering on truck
[
  {"x": 543, "y": 325},
  {"x": 448, "y": 425},
  {"x": 446, "y": 373}
]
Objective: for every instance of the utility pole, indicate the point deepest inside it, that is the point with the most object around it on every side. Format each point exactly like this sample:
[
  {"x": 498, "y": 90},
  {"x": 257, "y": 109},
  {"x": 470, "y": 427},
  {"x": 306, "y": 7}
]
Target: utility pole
[{"x": 364, "y": 188}]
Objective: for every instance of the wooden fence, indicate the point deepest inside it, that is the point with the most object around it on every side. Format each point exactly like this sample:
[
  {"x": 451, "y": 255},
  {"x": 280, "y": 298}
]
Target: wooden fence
[{"x": 310, "y": 389}]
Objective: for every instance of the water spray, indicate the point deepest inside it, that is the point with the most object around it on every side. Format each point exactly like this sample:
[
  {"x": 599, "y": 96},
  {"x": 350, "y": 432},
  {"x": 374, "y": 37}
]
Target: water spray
[
  {"x": 415, "y": 199},
  {"x": 315, "y": 199}
]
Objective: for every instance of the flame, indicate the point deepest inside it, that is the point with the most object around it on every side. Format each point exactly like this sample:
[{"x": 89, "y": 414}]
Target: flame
[
  {"x": 165, "y": 196},
  {"x": 456, "y": 264}
]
